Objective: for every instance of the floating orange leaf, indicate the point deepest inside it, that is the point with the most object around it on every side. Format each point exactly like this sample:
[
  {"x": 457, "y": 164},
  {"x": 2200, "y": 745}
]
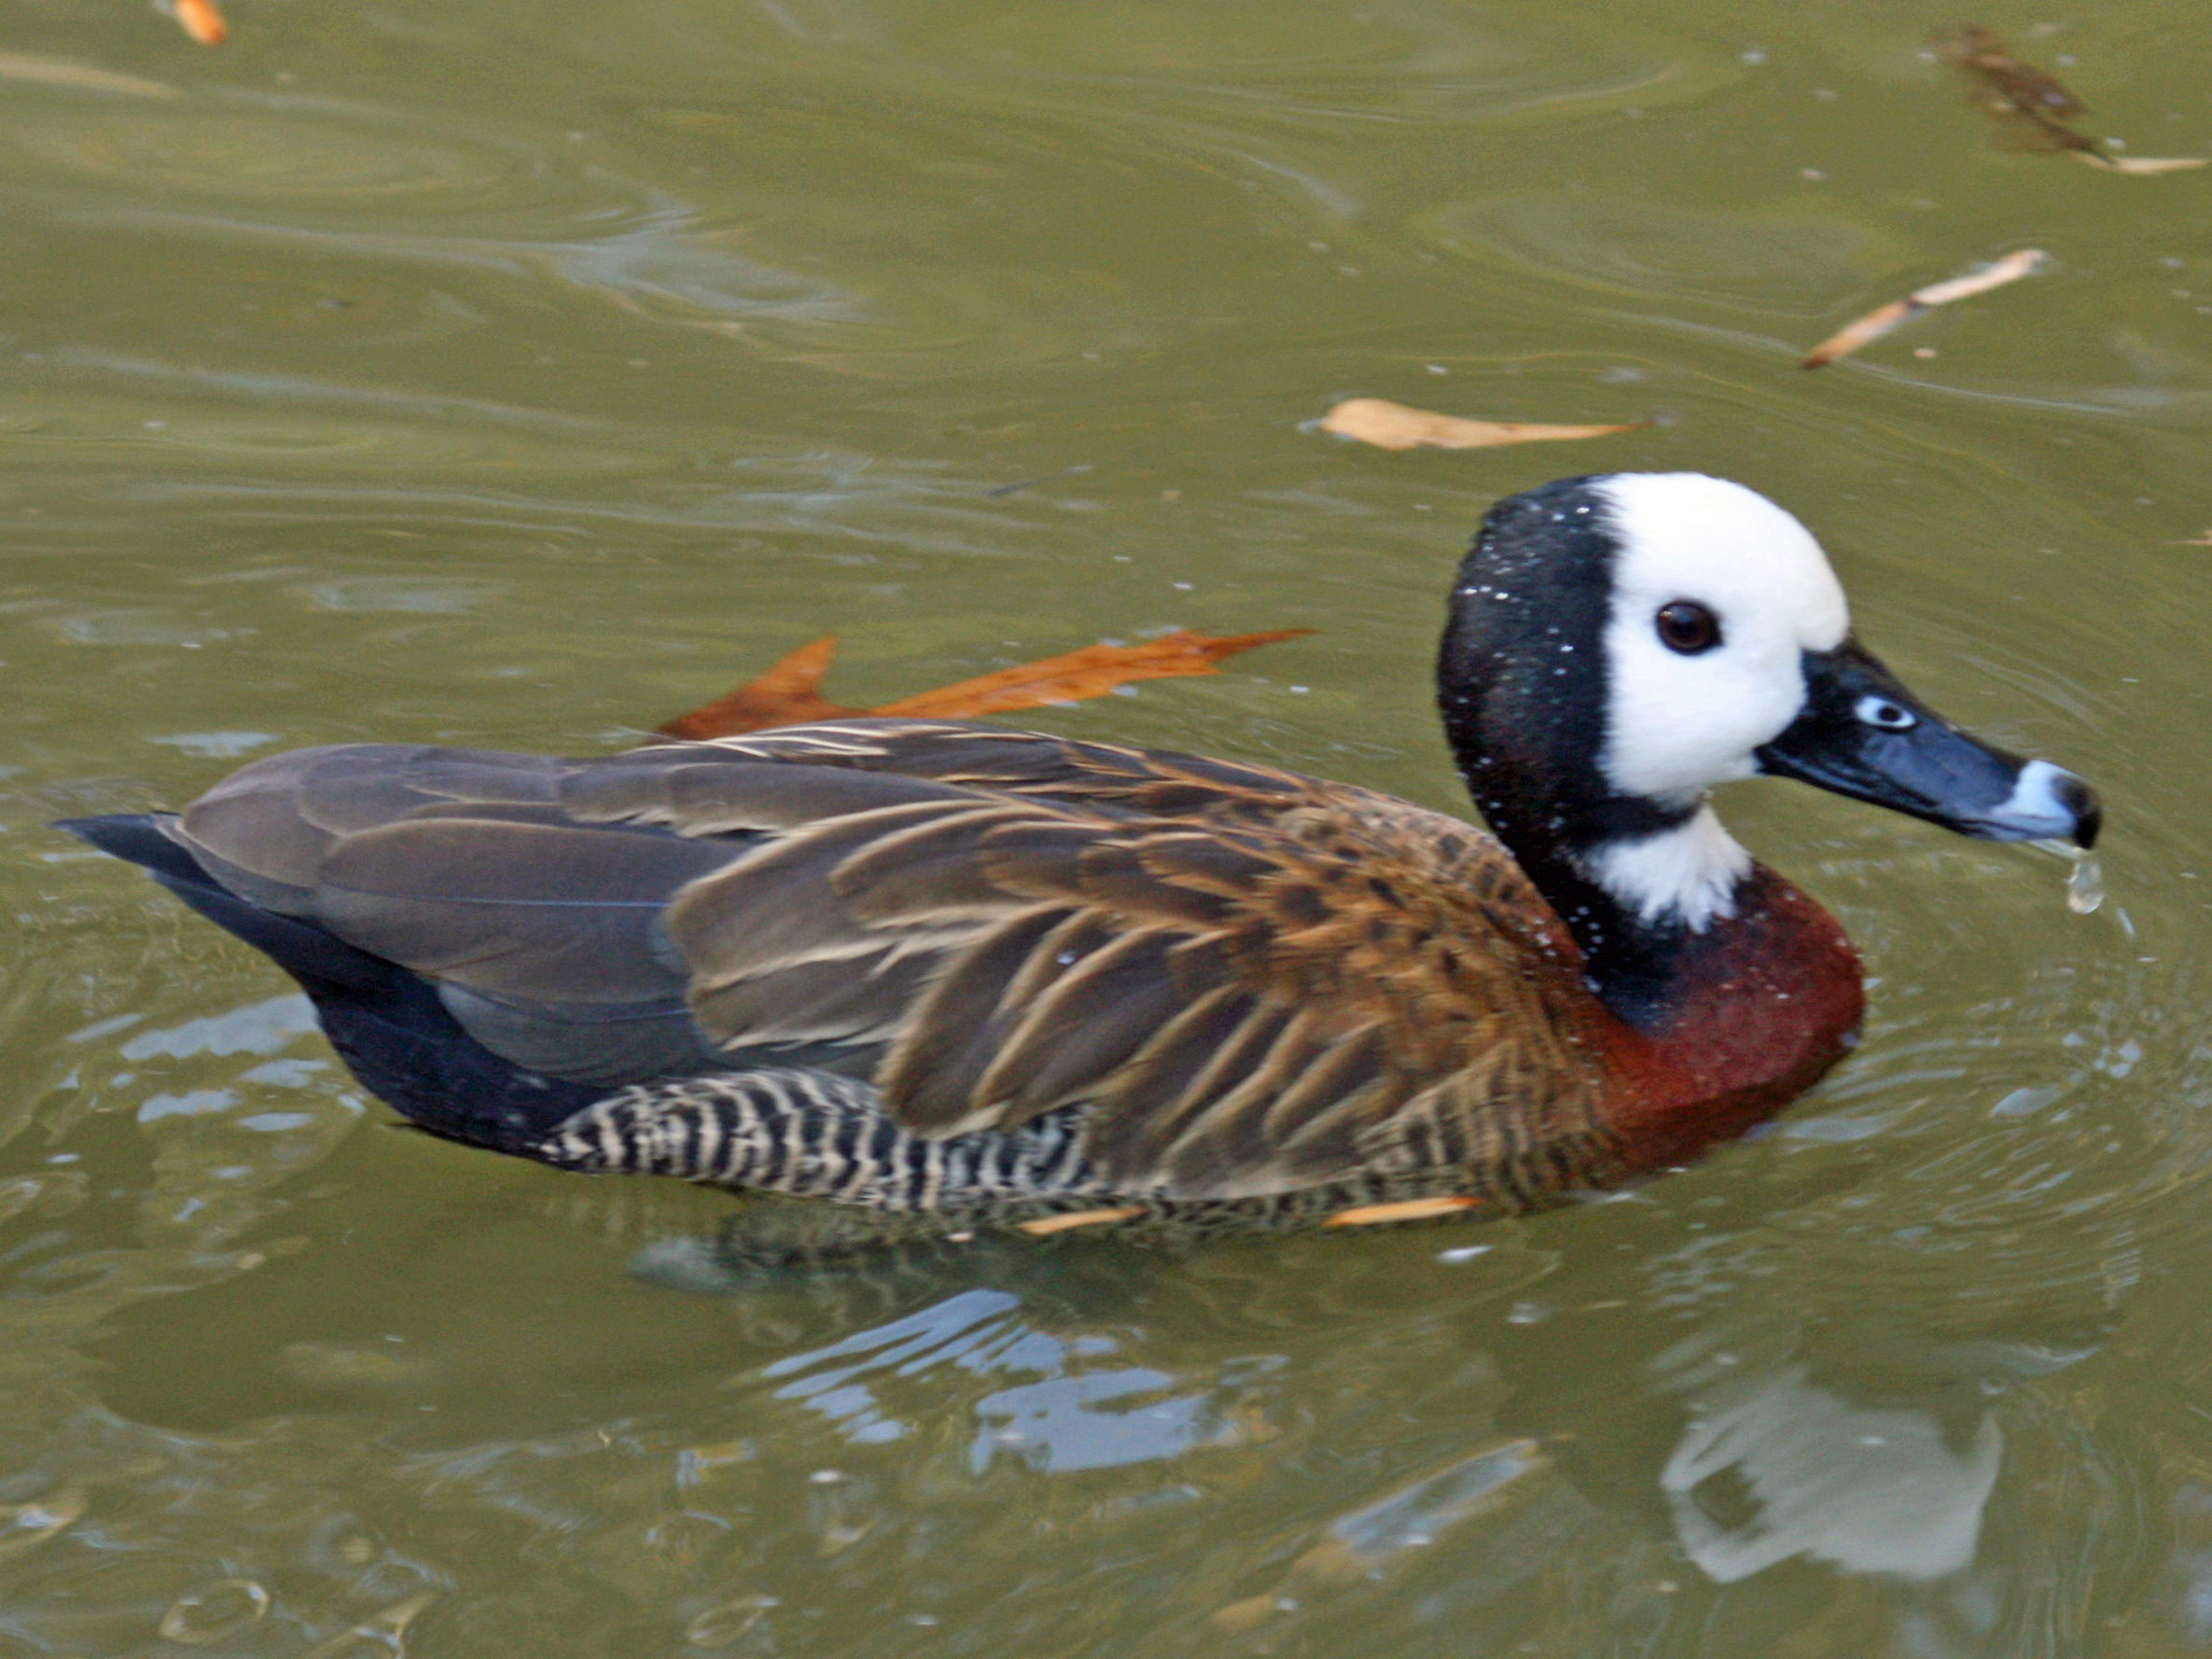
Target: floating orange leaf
[
  {"x": 789, "y": 693},
  {"x": 1074, "y": 676},
  {"x": 1390, "y": 426},
  {"x": 785, "y": 695},
  {"x": 200, "y": 20},
  {"x": 1884, "y": 319}
]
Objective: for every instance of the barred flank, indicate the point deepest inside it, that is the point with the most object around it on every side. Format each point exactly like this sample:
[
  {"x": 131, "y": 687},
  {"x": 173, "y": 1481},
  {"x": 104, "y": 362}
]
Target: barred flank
[{"x": 816, "y": 1136}]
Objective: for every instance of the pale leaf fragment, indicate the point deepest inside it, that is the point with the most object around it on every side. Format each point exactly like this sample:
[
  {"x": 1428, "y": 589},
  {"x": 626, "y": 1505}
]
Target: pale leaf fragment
[
  {"x": 1865, "y": 330},
  {"x": 2144, "y": 165},
  {"x": 1390, "y": 426},
  {"x": 1407, "y": 1210},
  {"x": 1045, "y": 1226}
]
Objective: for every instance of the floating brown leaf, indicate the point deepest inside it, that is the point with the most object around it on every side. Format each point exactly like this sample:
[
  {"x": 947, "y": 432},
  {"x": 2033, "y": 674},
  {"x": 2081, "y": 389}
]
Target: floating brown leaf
[
  {"x": 788, "y": 693},
  {"x": 1880, "y": 321},
  {"x": 201, "y": 21},
  {"x": 1390, "y": 426}
]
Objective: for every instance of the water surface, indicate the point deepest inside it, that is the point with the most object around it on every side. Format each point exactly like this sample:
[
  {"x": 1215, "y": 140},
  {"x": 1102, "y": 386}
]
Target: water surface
[{"x": 518, "y": 375}]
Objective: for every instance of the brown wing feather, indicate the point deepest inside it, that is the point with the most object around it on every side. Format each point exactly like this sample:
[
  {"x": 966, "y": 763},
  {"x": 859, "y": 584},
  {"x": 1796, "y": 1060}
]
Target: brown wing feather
[{"x": 1257, "y": 981}]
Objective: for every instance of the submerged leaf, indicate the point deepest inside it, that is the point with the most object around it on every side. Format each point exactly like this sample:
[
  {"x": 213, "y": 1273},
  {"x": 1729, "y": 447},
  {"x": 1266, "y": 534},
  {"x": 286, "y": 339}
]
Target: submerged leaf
[
  {"x": 2021, "y": 85},
  {"x": 2034, "y": 106},
  {"x": 788, "y": 693},
  {"x": 1398, "y": 426},
  {"x": 90, "y": 77},
  {"x": 1864, "y": 331}
]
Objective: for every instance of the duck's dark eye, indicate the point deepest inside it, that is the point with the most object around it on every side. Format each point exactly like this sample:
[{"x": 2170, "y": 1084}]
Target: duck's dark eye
[{"x": 1687, "y": 627}]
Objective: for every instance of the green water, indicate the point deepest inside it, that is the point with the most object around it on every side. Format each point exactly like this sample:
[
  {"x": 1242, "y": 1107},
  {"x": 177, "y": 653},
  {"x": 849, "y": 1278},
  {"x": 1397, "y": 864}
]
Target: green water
[{"x": 518, "y": 375}]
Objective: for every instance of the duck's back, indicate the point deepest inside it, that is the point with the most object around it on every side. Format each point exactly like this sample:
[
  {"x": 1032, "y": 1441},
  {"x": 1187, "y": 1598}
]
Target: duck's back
[{"x": 1206, "y": 979}]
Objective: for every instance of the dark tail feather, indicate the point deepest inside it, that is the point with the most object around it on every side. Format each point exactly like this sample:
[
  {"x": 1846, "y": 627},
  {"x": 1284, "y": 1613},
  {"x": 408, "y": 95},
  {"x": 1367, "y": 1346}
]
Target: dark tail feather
[
  {"x": 386, "y": 1022},
  {"x": 300, "y": 948}
]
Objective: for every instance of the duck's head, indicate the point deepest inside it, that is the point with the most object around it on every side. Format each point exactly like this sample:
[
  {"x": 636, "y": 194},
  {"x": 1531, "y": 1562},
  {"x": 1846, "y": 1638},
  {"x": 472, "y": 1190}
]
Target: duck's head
[{"x": 1621, "y": 643}]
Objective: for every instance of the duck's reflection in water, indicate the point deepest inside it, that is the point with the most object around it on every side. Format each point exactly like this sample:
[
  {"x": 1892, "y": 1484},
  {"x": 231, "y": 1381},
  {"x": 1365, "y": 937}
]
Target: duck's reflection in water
[
  {"x": 1779, "y": 1466},
  {"x": 1612, "y": 1395}
]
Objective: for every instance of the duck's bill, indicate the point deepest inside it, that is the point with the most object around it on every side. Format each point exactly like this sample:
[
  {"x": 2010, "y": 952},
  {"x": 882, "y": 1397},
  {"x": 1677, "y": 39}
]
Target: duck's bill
[{"x": 1862, "y": 734}]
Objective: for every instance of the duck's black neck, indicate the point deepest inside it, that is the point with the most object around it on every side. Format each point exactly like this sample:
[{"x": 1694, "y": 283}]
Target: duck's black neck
[{"x": 1522, "y": 682}]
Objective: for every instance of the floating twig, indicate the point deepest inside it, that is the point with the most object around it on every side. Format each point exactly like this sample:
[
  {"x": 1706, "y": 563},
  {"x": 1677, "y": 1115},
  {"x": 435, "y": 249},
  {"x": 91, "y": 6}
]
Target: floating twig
[{"x": 1875, "y": 324}]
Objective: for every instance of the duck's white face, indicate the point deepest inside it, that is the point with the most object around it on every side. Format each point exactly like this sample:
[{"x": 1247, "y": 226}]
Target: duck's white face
[
  {"x": 1619, "y": 644},
  {"x": 1717, "y": 596}
]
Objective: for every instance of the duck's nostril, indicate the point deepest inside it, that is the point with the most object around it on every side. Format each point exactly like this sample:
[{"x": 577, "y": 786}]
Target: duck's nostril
[{"x": 2081, "y": 801}]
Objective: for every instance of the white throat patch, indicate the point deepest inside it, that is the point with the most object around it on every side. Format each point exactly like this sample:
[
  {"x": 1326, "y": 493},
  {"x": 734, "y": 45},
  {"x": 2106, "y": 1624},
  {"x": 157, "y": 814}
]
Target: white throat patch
[{"x": 1686, "y": 874}]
